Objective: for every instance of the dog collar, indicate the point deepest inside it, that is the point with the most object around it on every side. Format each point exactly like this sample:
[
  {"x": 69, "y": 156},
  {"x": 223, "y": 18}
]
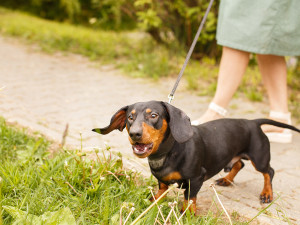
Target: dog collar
[{"x": 157, "y": 163}]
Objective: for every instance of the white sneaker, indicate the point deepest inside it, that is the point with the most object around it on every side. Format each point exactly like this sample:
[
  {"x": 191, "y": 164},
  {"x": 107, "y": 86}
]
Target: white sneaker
[{"x": 286, "y": 135}]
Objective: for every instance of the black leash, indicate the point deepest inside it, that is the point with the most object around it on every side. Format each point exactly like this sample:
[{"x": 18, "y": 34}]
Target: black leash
[{"x": 171, "y": 95}]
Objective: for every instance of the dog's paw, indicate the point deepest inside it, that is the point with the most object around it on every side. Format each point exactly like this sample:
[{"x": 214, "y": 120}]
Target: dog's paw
[
  {"x": 266, "y": 197},
  {"x": 152, "y": 199},
  {"x": 223, "y": 182},
  {"x": 192, "y": 209}
]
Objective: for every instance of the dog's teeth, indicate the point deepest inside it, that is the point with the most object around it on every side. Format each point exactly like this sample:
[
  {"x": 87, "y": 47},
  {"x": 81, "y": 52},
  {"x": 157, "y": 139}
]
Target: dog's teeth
[{"x": 141, "y": 148}]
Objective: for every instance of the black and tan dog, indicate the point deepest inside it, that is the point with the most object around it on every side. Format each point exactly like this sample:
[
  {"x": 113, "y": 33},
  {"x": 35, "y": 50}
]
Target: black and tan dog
[{"x": 189, "y": 155}]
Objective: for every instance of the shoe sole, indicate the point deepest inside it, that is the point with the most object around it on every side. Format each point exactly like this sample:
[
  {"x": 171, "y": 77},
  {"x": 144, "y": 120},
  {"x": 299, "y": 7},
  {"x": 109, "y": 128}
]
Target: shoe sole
[{"x": 276, "y": 137}]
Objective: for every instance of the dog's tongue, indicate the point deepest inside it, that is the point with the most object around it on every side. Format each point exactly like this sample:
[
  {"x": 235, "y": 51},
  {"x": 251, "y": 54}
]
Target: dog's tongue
[{"x": 141, "y": 148}]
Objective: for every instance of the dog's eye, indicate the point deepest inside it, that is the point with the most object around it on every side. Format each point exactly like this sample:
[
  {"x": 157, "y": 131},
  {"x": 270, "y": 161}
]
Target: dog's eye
[
  {"x": 154, "y": 115},
  {"x": 130, "y": 117}
]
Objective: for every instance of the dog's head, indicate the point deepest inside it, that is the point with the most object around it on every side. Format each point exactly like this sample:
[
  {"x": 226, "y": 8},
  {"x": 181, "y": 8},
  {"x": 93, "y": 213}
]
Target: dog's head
[{"x": 148, "y": 123}]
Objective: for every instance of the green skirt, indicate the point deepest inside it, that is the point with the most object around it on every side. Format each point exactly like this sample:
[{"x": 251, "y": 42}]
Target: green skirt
[{"x": 260, "y": 26}]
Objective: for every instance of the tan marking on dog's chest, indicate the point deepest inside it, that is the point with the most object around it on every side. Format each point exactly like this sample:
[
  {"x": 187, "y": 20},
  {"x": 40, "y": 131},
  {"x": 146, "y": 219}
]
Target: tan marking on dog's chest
[{"x": 172, "y": 176}]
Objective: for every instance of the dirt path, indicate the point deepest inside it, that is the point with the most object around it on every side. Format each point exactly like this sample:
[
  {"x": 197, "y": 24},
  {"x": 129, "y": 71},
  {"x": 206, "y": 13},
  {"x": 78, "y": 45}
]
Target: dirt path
[{"x": 45, "y": 92}]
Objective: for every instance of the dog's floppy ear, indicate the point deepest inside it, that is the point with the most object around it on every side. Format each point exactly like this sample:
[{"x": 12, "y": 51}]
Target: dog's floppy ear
[
  {"x": 180, "y": 124},
  {"x": 118, "y": 121}
]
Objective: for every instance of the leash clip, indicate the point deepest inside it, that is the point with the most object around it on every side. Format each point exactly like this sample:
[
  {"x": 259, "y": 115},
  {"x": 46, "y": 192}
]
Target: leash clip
[{"x": 170, "y": 97}]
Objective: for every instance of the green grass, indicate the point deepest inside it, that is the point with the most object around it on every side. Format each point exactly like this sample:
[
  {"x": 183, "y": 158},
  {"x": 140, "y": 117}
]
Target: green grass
[
  {"x": 73, "y": 185},
  {"x": 135, "y": 53}
]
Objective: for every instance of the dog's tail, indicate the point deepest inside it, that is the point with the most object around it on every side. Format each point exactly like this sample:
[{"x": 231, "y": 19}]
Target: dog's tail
[{"x": 275, "y": 123}]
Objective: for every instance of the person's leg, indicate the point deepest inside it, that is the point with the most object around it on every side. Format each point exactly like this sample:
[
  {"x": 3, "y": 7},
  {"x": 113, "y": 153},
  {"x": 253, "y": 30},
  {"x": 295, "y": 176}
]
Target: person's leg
[
  {"x": 274, "y": 73},
  {"x": 232, "y": 68}
]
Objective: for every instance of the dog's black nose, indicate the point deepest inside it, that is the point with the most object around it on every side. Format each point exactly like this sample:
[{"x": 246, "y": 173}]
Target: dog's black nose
[{"x": 135, "y": 134}]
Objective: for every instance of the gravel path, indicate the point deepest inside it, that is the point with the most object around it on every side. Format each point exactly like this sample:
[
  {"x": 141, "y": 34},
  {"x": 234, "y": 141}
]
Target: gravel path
[{"x": 45, "y": 92}]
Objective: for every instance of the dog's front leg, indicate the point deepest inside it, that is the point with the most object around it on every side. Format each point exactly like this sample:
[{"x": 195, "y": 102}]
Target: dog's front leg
[
  {"x": 190, "y": 193},
  {"x": 162, "y": 188}
]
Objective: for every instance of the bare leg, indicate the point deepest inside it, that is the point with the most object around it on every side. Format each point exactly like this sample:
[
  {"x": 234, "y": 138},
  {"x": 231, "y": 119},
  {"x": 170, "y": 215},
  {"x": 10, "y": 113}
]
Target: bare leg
[
  {"x": 232, "y": 68},
  {"x": 274, "y": 74}
]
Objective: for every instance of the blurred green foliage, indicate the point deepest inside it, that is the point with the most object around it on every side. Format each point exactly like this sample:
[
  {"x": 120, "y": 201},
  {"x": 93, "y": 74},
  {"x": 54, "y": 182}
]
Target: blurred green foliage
[
  {"x": 170, "y": 22},
  {"x": 179, "y": 20},
  {"x": 109, "y": 14}
]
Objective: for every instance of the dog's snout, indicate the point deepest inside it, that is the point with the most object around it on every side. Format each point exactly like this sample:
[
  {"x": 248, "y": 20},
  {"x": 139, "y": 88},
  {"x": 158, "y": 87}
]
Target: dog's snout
[
  {"x": 135, "y": 136},
  {"x": 135, "y": 133}
]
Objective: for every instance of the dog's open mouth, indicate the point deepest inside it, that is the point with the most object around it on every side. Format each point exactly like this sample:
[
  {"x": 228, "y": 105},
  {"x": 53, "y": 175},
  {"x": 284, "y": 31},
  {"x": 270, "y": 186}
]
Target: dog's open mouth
[{"x": 141, "y": 149}]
